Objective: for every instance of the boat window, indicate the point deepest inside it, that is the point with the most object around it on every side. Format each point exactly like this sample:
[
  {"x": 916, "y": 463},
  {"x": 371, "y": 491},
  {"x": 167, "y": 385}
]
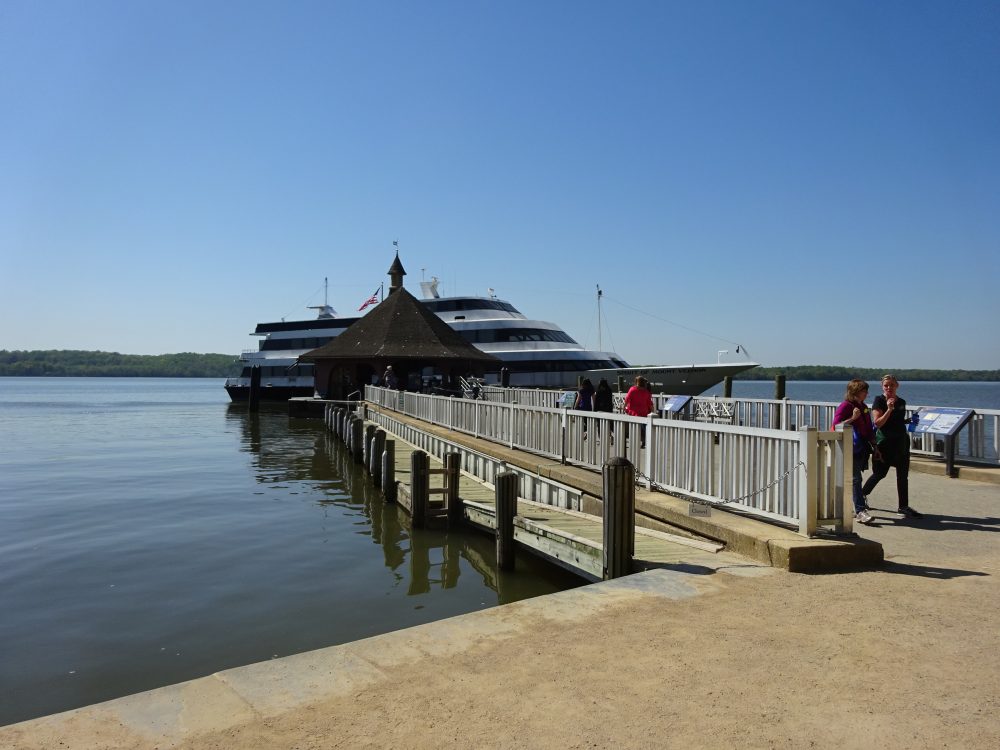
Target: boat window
[{"x": 502, "y": 335}]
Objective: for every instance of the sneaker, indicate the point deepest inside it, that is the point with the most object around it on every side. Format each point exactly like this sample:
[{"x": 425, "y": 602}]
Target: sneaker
[
  {"x": 907, "y": 512},
  {"x": 863, "y": 517}
]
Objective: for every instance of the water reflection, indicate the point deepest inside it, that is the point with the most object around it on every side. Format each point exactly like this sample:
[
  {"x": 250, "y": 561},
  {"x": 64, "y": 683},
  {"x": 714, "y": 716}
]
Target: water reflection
[{"x": 286, "y": 450}]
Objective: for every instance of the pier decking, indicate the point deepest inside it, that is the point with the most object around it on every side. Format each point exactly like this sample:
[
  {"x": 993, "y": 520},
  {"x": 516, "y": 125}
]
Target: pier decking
[
  {"x": 574, "y": 539},
  {"x": 566, "y": 537}
]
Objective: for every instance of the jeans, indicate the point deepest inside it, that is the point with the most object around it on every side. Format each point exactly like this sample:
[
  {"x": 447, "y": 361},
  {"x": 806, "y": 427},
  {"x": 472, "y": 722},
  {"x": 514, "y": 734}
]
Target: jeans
[{"x": 859, "y": 497}]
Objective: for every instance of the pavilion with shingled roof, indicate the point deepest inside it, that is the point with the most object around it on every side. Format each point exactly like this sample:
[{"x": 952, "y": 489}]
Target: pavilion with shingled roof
[{"x": 402, "y": 332}]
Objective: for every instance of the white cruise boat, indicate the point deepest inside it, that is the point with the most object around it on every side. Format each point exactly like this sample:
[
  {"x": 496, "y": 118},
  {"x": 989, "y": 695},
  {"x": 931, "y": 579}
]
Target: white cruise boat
[{"x": 537, "y": 353}]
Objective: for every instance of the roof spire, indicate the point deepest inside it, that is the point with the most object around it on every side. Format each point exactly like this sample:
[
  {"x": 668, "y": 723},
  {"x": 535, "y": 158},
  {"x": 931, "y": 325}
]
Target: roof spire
[{"x": 396, "y": 272}]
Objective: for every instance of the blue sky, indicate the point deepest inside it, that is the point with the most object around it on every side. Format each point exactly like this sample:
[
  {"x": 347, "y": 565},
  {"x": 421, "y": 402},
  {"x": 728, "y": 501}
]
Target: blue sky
[{"x": 819, "y": 182}]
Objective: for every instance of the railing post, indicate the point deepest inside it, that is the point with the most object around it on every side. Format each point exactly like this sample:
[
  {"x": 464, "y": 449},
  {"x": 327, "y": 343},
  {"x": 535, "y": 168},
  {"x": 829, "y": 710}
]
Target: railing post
[
  {"x": 564, "y": 441},
  {"x": 648, "y": 458},
  {"x": 506, "y": 509},
  {"x": 453, "y": 463},
  {"x": 419, "y": 486},
  {"x": 389, "y": 471},
  {"x": 510, "y": 409},
  {"x": 619, "y": 517},
  {"x": 808, "y": 495},
  {"x": 378, "y": 448},
  {"x": 847, "y": 480}
]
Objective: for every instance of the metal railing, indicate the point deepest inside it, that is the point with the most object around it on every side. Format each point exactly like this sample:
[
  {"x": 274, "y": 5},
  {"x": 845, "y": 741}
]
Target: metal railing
[
  {"x": 282, "y": 381},
  {"x": 800, "y": 478}
]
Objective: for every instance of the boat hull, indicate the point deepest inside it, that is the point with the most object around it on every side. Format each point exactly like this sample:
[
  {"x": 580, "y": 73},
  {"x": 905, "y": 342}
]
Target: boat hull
[{"x": 240, "y": 393}]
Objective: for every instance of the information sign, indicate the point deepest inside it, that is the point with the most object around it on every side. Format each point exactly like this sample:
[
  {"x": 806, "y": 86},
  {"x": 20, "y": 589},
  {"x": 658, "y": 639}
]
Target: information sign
[
  {"x": 941, "y": 420},
  {"x": 676, "y": 404}
]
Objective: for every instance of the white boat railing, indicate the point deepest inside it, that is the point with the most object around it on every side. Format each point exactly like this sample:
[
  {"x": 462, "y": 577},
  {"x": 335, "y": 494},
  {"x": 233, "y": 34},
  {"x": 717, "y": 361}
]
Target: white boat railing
[
  {"x": 278, "y": 382},
  {"x": 799, "y": 478},
  {"x": 977, "y": 442}
]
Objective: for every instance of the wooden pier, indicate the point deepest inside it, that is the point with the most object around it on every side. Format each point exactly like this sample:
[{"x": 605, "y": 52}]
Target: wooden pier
[{"x": 443, "y": 494}]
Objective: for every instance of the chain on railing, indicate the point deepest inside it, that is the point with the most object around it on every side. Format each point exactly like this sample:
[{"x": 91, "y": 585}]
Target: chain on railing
[{"x": 639, "y": 477}]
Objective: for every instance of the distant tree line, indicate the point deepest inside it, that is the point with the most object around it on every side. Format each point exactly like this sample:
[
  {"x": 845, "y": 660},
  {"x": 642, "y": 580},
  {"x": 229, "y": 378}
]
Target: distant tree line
[
  {"x": 836, "y": 372},
  {"x": 69, "y": 363}
]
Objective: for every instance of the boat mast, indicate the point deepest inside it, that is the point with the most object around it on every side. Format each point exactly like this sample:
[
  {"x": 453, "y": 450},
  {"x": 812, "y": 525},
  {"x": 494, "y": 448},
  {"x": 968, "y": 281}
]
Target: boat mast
[{"x": 600, "y": 348}]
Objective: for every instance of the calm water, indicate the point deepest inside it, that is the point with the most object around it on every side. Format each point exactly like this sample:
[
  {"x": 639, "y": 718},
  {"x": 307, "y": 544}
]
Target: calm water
[{"x": 150, "y": 533}]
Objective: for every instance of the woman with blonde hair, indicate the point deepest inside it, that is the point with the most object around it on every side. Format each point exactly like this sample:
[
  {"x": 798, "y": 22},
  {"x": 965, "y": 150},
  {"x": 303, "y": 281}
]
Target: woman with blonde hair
[{"x": 893, "y": 443}]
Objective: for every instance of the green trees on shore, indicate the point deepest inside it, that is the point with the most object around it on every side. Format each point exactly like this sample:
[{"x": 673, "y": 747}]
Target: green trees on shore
[
  {"x": 70, "y": 363},
  {"x": 836, "y": 372}
]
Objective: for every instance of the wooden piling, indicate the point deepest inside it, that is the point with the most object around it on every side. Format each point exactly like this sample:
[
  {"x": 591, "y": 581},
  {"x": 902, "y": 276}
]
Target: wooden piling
[
  {"x": 453, "y": 464},
  {"x": 506, "y": 508},
  {"x": 366, "y": 451},
  {"x": 357, "y": 438},
  {"x": 378, "y": 448},
  {"x": 727, "y": 386},
  {"x": 779, "y": 387},
  {"x": 254, "y": 402},
  {"x": 389, "y": 471},
  {"x": 419, "y": 486},
  {"x": 619, "y": 517}
]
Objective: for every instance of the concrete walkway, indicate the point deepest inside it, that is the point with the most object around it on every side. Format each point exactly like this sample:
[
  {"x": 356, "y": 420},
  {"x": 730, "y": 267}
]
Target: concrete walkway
[{"x": 903, "y": 656}]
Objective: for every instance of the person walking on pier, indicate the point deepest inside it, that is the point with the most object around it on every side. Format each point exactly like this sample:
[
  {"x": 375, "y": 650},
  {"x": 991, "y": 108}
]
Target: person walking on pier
[
  {"x": 585, "y": 396},
  {"x": 855, "y": 412},
  {"x": 893, "y": 444},
  {"x": 604, "y": 400},
  {"x": 639, "y": 402},
  {"x": 389, "y": 379}
]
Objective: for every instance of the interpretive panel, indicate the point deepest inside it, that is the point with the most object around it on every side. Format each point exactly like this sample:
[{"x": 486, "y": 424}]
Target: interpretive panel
[
  {"x": 676, "y": 404},
  {"x": 941, "y": 420}
]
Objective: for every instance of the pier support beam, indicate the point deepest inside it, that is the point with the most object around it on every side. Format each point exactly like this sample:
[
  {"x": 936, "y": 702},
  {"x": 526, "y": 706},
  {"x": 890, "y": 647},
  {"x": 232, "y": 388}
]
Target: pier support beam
[
  {"x": 254, "y": 402},
  {"x": 378, "y": 448},
  {"x": 619, "y": 517},
  {"x": 389, "y": 471},
  {"x": 357, "y": 438},
  {"x": 506, "y": 508},
  {"x": 366, "y": 453},
  {"x": 419, "y": 488},
  {"x": 453, "y": 464}
]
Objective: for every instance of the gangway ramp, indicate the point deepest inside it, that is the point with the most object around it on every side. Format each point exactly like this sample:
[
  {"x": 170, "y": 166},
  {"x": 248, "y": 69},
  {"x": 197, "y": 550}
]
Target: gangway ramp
[{"x": 569, "y": 538}]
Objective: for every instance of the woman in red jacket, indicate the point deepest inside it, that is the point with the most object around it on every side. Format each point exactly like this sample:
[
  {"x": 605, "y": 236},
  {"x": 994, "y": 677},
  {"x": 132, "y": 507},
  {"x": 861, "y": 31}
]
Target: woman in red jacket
[{"x": 639, "y": 402}]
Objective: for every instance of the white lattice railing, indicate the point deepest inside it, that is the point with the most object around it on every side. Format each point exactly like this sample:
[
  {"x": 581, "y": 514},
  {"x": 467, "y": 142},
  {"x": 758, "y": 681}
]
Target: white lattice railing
[
  {"x": 800, "y": 478},
  {"x": 977, "y": 442}
]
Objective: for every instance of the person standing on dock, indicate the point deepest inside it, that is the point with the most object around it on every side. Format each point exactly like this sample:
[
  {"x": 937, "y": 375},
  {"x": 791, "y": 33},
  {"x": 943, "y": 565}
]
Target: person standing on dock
[
  {"x": 585, "y": 396},
  {"x": 639, "y": 402},
  {"x": 893, "y": 444},
  {"x": 855, "y": 412},
  {"x": 604, "y": 399},
  {"x": 389, "y": 379}
]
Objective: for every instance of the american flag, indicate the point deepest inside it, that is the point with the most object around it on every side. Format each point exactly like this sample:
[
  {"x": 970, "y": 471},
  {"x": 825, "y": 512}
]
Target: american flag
[{"x": 370, "y": 301}]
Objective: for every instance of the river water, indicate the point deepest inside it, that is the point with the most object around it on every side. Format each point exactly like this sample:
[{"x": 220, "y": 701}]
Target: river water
[{"x": 151, "y": 533}]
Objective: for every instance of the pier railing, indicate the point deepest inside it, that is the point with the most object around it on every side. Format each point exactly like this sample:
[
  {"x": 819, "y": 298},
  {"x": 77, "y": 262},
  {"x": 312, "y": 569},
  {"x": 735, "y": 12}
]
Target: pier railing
[
  {"x": 800, "y": 478},
  {"x": 978, "y": 442}
]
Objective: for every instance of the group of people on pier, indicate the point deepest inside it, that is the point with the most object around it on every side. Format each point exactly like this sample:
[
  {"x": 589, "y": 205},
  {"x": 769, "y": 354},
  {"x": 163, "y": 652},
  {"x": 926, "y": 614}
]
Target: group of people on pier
[{"x": 879, "y": 434}]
